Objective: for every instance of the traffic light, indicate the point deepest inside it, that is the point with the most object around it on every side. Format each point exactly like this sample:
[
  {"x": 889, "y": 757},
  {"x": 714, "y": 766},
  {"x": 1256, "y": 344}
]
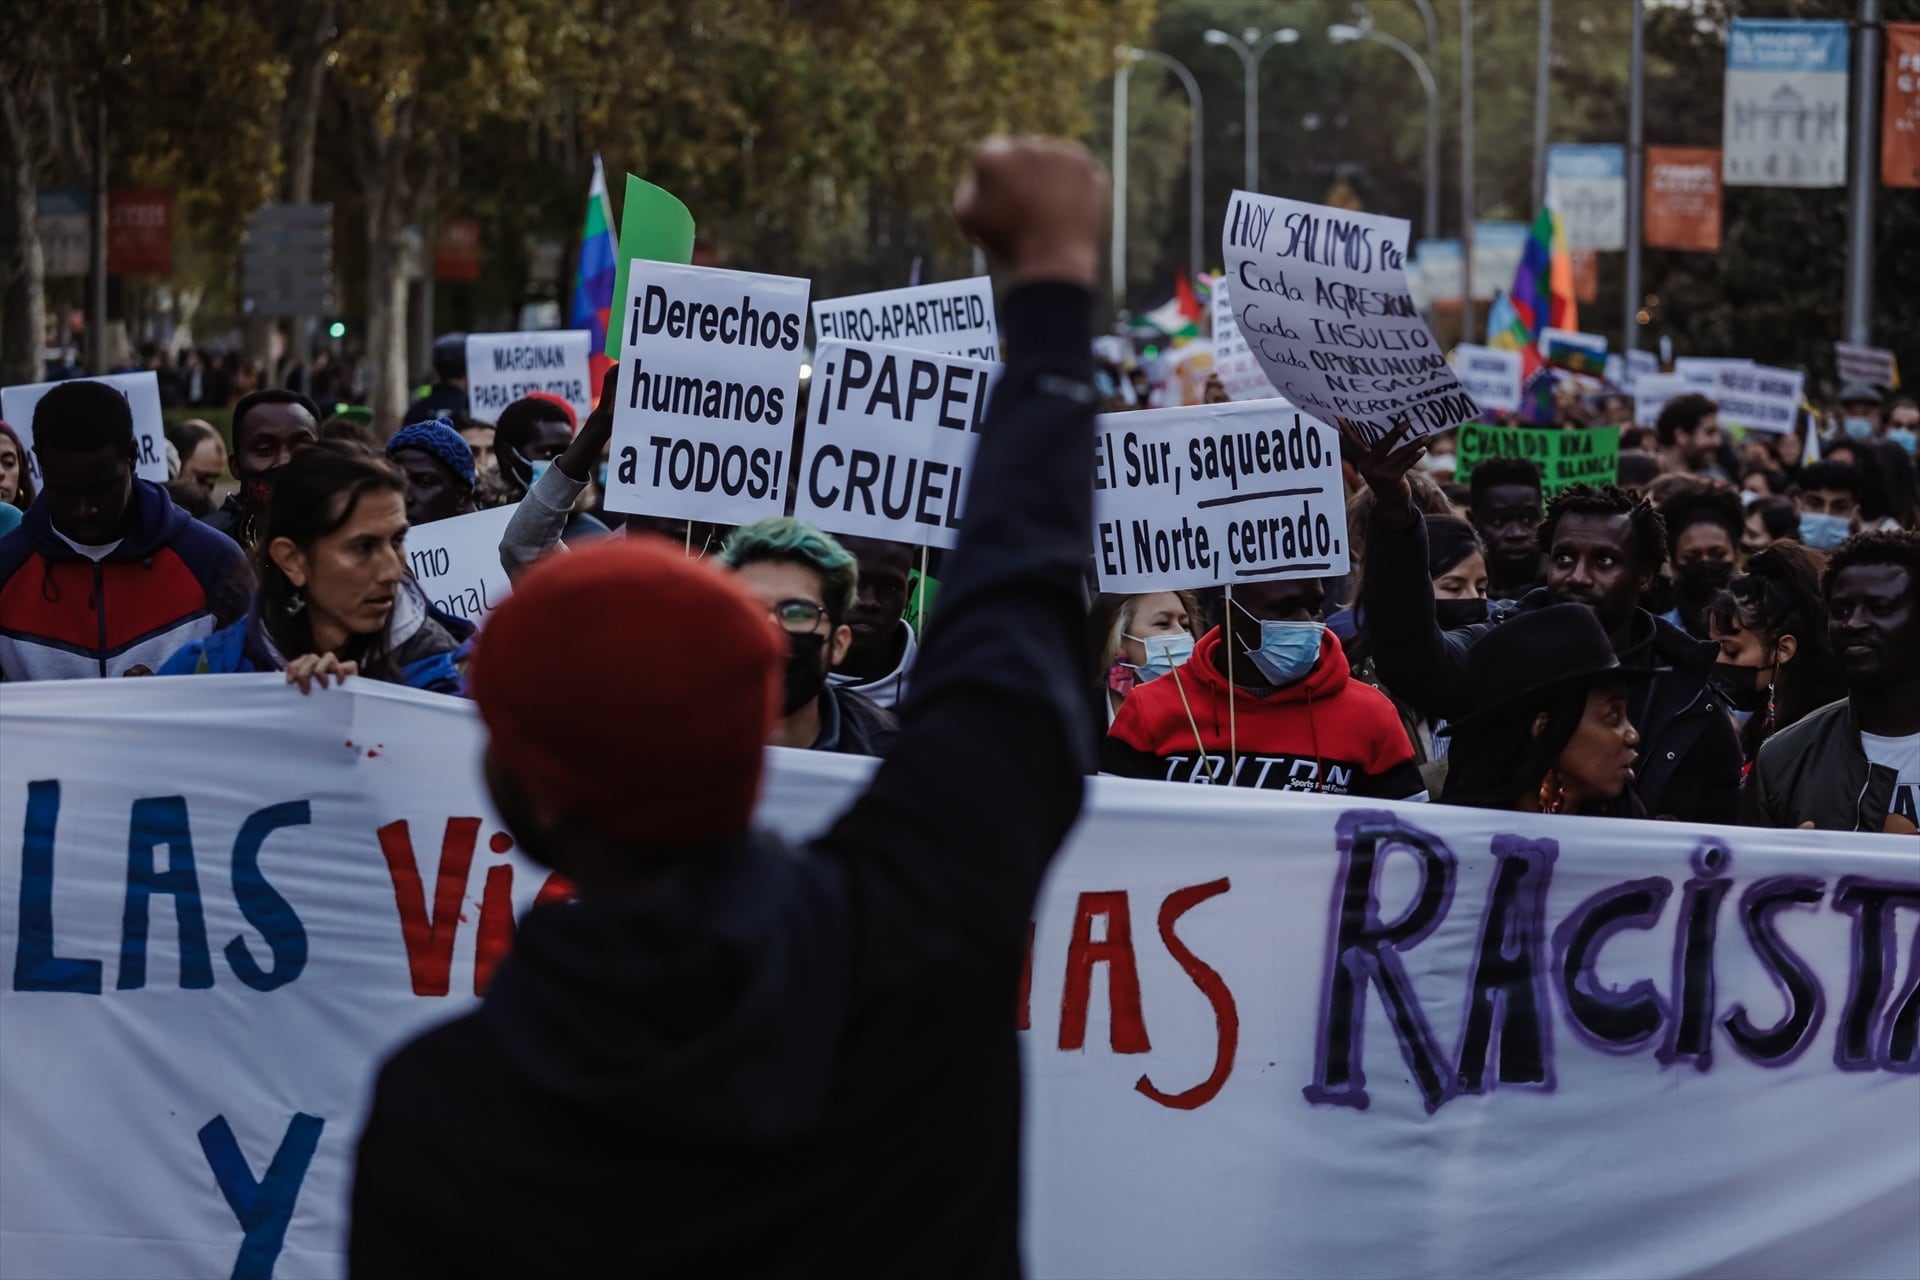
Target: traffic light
[{"x": 337, "y": 330}]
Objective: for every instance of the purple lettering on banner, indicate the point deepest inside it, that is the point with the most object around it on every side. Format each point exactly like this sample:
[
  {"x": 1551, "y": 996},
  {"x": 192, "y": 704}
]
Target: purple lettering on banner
[
  {"x": 1872, "y": 904},
  {"x": 1690, "y": 1034},
  {"x": 1507, "y": 997},
  {"x": 1793, "y": 977},
  {"x": 1363, "y": 949},
  {"x": 1607, "y": 1018},
  {"x": 264, "y": 1208}
]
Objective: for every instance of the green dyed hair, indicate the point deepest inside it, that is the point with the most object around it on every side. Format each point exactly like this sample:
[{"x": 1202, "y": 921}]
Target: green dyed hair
[{"x": 782, "y": 539}]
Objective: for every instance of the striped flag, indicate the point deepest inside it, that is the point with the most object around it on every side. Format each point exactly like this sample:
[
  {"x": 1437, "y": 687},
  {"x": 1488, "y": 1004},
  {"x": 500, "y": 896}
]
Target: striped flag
[{"x": 593, "y": 281}]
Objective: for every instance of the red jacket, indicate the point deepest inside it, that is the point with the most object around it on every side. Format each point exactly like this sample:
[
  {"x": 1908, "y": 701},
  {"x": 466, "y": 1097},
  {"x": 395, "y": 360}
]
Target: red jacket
[{"x": 1328, "y": 733}]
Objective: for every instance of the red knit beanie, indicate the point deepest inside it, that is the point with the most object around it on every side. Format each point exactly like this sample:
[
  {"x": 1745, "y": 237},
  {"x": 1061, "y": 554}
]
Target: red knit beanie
[
  {"x": 631, "y": 689},
  {"x": 563, "y": 406}
]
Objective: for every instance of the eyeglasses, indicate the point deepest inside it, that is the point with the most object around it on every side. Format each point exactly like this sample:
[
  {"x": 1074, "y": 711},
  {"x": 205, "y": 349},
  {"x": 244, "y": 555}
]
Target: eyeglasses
[{"x": 799, "y": 616}]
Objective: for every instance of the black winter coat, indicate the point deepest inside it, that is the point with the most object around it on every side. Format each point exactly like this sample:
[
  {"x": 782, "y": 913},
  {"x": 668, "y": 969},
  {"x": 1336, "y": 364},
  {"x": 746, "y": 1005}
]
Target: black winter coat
[
  {"x": 793, "y": 1062},
  {"x": 1689, "y": 766}
]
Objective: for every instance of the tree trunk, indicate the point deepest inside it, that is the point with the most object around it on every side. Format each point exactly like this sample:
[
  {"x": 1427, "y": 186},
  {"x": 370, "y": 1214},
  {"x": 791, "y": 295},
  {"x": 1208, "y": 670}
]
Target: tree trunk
[
  {"x": 23, "y": 302},
  {"x": 386, "y": 297}
]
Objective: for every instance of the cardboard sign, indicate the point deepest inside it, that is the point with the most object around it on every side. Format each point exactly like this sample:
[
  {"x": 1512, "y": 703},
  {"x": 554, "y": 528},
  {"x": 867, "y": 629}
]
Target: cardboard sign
[
  {"x": 1651, "y": 391},
  {"x": 889, "y": 441},
  {"x": 1490, "y": 375},
  {"x": 1874, "y": 366},
  {"x": 1589, "y": 456},
  {"x": 955, "y": 318},
  {"x": 704, "y": 418},
  {"x": 1683, "y": 198},
  {"x": 1758, "y": 397},
  {"x": 504, "y": 367},
  {"x": 1321, "y": 297},
  {"x": 1785, "y": 118},
  {"x": 1233, "y": 360},
  {"x": 457, "y": 561},
  {"x": 1215, "y": 494},
  {"x": 142, "y": 392},
  {"x": 654, "y": 227}
]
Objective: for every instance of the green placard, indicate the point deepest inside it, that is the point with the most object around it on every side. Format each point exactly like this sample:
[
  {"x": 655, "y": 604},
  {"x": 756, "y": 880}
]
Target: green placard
[
  {"x": 1564, "y": 457},
  {"x": 654, "y": 227}
]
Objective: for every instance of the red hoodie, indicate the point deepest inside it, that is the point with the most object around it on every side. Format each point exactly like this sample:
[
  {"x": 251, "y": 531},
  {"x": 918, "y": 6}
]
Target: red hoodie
[{"x": 1328, "y": 733}]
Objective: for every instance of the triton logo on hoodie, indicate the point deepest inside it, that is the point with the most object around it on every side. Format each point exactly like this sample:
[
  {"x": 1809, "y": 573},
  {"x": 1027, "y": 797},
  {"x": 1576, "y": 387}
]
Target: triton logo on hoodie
[{"x": 1273, "y": 772}]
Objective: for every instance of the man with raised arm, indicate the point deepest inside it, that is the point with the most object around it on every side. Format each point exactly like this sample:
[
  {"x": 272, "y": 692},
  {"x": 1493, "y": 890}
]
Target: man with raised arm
[{"x": 730, "y": 1057}]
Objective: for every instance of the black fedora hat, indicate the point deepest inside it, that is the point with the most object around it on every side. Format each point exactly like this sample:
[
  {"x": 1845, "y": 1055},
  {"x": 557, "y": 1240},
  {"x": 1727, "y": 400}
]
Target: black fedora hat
[{"x": 1536, "y": 651}]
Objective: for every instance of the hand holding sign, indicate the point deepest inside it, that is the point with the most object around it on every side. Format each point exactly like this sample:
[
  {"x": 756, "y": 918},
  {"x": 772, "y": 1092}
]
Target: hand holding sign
[
  {"x": 1038, "y": 205},
  {"x": 1384, "y": 465}
]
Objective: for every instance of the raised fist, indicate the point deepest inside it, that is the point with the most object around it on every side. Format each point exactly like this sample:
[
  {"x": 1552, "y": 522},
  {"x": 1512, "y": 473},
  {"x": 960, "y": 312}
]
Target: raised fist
[{"x": 1039, "y": 205}]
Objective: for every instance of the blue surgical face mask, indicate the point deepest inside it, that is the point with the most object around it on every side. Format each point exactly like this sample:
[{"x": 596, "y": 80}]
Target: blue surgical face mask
[
  {"x": 1858, "y": 428},
  {"x": 1902, "y": 436},
  {"x": 1164, "y": 653},
  {"x": 1823, "y": 532},
  {"x": 539, "y": 469},
  {"x": 600, "y": 475},
  {"x": 1287, "y": 650}
]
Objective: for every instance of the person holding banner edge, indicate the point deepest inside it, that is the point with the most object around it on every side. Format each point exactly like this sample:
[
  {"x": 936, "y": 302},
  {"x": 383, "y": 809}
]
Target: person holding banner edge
[
  {"x": 709, "y": 1061},
  {"x": 1604, "y": 547}
]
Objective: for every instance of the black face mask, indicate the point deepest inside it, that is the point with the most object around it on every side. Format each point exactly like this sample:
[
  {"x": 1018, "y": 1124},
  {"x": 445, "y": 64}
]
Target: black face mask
[
  {"x": 1454, "y": 614},
  {"x": 1700, "y": 580},
  {"x": 1742, "y": 686},
  {"x": 806, "y": 674}
]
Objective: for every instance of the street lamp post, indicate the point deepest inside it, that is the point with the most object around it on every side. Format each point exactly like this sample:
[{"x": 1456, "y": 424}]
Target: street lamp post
[
  {"x": 1251, "y": 49},
  {"x": 1195, "y": 215},
  {"x": 1343, "y": 34}
]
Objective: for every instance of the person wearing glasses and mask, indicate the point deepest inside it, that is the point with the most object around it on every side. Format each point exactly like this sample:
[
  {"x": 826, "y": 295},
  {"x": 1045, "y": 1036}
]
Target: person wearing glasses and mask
[
  {"x": 808, "y": 583},
  {"x": 1267, "y": 701}
]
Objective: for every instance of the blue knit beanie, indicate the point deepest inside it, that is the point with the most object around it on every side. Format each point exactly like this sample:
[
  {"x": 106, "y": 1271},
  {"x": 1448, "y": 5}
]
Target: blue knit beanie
[{"x": 440, "y": 441}]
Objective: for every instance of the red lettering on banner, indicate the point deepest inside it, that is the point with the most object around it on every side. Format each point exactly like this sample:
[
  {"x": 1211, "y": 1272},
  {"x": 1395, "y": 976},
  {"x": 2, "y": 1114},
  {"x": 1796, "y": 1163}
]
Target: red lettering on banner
[
  {"x": 1226, "y": 1015},
  {"x": 556, "y": 889},
  {"x": 1126, "y": 1028},
  {"x": 429, "y": 939},
  {"x": 496, "y": 926}
]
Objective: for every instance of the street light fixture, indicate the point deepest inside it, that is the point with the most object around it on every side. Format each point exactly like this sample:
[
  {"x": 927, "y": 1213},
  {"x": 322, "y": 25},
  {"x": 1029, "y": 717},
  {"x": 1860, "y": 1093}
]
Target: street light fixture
[
  {"x": 1196, "y": 262},
  {"x": 1343, "y": 33},
  {"x": 1252, "y": 46}
]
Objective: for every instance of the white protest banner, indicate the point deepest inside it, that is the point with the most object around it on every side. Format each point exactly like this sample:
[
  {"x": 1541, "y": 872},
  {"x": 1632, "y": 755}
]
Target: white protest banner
[
  {"x": 503, "y": 367},
  {"x": 1651, "y": 391},
  {"x": 890, "y": 441},
  {"x": 1872, "y": 365},
  {"x": 1240, "y": 372},
  {"x": 1785, "y": 119},
  {"x": 1758, "y": 397},
  {"x": 1210, "y": 494},
  {"x": 1620, "y": 1048},
  {"x": 955, "y": 318},
  {"x": 1702, "y": 373},
  {"x": 1640, "y": 364},
  {"x": 1587, "y": 183},
  {"x": 457, "y": 561},
  {"x": 1321, "y": 297},
  {"x": 710, "y": 371},
  {"x": 1490, "y": 375},
  {"x": 142, "y": 393}
]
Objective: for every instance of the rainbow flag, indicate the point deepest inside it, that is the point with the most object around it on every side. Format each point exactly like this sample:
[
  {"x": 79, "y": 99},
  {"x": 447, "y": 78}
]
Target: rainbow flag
[
  {"x": 593, "y": 281},
  {"x": 1542, "y": 293}
]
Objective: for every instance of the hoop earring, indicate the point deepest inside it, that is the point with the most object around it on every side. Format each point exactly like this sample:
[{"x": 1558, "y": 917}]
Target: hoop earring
[
  {"x": 1552, "y": 796},
  {"x": 1771, "y": 703},
  {"x": 296, "y": 602}
]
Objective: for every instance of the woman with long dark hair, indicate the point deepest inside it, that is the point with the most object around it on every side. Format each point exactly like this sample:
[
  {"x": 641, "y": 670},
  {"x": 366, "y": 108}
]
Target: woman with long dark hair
[
  {"x": 335, "y": 597},
  {"x": 1551, "y": 733},
  {"x": 1775, "y": 661}
]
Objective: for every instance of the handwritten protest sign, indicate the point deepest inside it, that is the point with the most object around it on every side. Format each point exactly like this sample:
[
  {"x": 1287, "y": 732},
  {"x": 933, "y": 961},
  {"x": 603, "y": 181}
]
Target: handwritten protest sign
[
  {"x": 704, "y": 419},
  {"x": 1233, "y": 360},
  {"x": 457, "y": 561},
  {"x": 1651, "y": 391},
  {"x": 142, "y": 392},
  {"x": 1590, "y": 456},
  {"x": 1321, "y": 297},
  {"x": 955, "y": 318},
  {"x": 503, "y": 367},
  {"x": 1491, "y": 376},
  {"x": 1872, "y": 365},
  {"x": 889, "y": 441},
  {"x": 1211, "y": 494},
  {"x": 1758, "y": 397}
]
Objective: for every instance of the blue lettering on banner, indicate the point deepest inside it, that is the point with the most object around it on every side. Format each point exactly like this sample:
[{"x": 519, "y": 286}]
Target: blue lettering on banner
[
  {"x": 156, "y": 821},
  {"x": 262, "y": 904},
  {"x": 35, "y": 966},
  {"x": 264, "y": 1207}
]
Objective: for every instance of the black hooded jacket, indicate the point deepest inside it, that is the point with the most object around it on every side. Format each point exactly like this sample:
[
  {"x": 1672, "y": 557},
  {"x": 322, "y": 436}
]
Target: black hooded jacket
[
  {"x": 1689, "y": 766},
  {"x": 793, "y": 1062}
]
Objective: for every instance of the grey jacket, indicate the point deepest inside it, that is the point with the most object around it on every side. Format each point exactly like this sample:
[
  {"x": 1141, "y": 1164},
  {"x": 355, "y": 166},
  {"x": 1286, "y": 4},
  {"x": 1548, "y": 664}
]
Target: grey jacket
[
  {"x": 538, "y": 521},
  {"x": 1816, "y": 771}
]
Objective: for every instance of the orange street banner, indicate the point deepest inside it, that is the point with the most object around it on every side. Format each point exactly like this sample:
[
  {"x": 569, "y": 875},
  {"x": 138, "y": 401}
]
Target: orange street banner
[
  {"x": 1900, "y": 123},
  {"x": 1683, "y": 198}
]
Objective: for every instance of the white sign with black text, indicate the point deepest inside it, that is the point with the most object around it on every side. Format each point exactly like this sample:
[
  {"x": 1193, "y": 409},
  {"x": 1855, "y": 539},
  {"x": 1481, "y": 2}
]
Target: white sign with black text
[
  {"x": 955, "y": 318},
  {"x": 1233, "y": 360},
  {"x": 1211, "y": 494},
  {"x": 142, "y": 393},
  {"x": 504, "y": 367},
  {"x": 1758, "y": 397},
  {"x": 710, "y": 368},
  {"x": 1490, "y": 375},
  {"x": 457, "y": 561},
  {"x": 1651, "y": 391},
  {"x": 889, "y": 441}
]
